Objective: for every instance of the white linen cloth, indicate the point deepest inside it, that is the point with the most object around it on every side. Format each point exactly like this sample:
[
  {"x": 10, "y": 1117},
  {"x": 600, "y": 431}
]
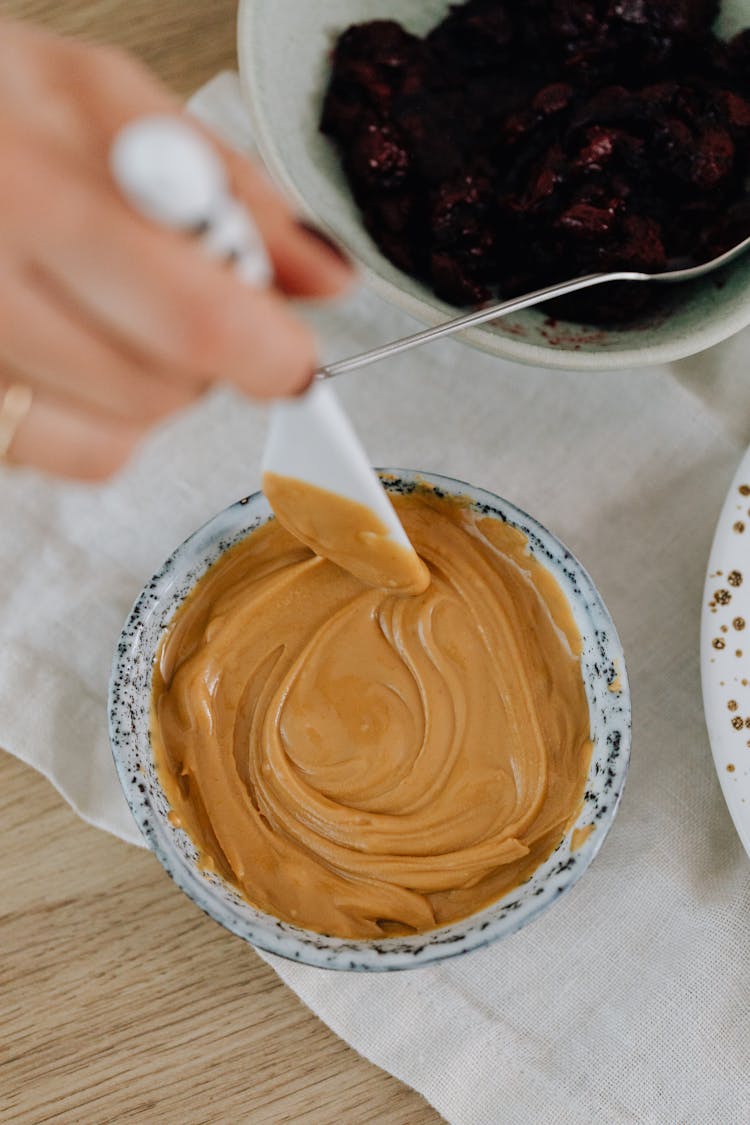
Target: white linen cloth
[{"x": 628, "y": 1001}]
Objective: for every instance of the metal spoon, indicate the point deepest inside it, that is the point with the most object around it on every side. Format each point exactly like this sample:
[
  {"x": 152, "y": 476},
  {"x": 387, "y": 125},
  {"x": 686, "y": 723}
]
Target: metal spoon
[{"x": 515, "y": 304}]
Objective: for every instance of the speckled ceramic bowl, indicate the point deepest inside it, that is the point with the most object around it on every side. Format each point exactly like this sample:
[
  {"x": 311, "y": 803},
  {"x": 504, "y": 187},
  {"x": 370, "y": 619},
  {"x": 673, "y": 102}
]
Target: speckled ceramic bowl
[
  {"x": 283, "y": 48},
  {"x": 603, "y": 670}
]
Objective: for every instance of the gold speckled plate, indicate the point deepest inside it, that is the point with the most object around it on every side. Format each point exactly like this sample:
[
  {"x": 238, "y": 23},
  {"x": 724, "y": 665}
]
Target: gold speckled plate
[{"x": 725, "y": 650}]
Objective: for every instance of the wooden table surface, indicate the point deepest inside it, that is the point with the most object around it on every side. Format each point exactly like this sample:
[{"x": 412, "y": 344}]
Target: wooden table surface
[{"x": 119, "y": 1000}]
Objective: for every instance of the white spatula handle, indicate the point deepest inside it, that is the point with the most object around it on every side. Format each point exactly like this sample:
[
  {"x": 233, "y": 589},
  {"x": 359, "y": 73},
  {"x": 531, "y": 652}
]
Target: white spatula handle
[{"x": 171, "y": 174}]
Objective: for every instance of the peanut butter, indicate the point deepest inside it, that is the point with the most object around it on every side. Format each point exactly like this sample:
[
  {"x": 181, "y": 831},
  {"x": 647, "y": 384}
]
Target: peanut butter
[
  {"x": 365, "y": 764},
  {"x": 348, "y": 533}
]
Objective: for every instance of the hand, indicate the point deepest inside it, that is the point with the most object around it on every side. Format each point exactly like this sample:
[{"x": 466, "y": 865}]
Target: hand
[{"x": 114, "y": 322}]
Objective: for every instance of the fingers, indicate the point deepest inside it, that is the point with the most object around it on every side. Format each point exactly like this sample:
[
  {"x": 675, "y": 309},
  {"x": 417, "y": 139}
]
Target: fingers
[
  {"x": 113, "y": 321},
  {"x": 124, "y": 89},
  {"x": 66, "y": 441},
  {"x": 72, "y": 360},
  {"x": 305, "y": 262},
  {"x": 171, "y": 302}
]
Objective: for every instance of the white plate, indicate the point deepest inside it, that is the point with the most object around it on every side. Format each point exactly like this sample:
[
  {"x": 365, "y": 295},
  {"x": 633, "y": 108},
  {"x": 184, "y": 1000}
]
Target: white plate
[{"x": 725, "y": 650}]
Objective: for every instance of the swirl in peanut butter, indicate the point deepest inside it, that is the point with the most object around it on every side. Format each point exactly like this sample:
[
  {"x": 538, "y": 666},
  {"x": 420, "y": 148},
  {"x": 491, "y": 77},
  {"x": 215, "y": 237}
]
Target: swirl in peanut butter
[
  {"x": 362, "y": 763},
  {"x": 346, "y": 532}
]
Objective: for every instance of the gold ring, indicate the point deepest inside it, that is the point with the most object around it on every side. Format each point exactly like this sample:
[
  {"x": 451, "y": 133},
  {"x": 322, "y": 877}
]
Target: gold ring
[{"x": 15, "y": 405}]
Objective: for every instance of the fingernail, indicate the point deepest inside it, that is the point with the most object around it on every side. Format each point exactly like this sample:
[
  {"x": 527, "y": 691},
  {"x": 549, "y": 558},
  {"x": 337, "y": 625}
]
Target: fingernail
[{"x": 326, "y": 241}]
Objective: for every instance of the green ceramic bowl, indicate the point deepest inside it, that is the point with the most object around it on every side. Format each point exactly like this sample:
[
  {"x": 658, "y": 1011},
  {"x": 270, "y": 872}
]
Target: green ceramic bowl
[{"x": 284, "y": 47}]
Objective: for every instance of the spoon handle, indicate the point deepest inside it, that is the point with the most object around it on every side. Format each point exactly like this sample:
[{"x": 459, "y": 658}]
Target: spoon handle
[{"x": 469, "y": 320}]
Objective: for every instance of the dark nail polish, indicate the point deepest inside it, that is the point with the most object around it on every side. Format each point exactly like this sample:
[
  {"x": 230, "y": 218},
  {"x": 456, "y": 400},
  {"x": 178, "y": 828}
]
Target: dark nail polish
[{"x": 326, "y": 240}]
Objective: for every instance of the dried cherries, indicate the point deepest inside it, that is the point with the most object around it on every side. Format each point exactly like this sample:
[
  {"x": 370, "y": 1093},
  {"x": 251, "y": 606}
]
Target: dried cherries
[{"x": 520, "y": 144}]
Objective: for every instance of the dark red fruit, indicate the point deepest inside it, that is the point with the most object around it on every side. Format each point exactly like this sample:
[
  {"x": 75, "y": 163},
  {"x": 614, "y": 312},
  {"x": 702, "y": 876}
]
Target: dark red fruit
[
  {"x": 598, "y": 150},
  {"x": 585, "y": 221},
  {"x": 642, "y": 247},
  {"x": 518, "y": 144},
  {"x": 713, "y": 158},
  {"x": 551, "y": 99},
  {"x": 737, "y": 109},
  {"x": 453, "y": 281},
  {"x": 377, "y": 159}
]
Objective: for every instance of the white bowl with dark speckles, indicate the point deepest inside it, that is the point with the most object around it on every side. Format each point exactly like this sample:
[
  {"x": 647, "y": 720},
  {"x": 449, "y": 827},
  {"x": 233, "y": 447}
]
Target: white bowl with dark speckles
[
  {"x": 284, "y": 48},
  {"x": 605, "y": 681}
]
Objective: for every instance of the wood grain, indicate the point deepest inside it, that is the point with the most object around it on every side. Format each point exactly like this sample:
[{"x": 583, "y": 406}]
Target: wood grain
[
  {"x": 184, "y": 41},
  {"x": 120, "y": 1001}
]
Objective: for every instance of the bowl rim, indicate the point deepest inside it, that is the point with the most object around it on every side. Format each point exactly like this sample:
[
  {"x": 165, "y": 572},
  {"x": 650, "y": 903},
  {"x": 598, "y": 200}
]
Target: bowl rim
[
  {"x": 266, "y": 932},
  {"x": 435, "y": 312}
]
